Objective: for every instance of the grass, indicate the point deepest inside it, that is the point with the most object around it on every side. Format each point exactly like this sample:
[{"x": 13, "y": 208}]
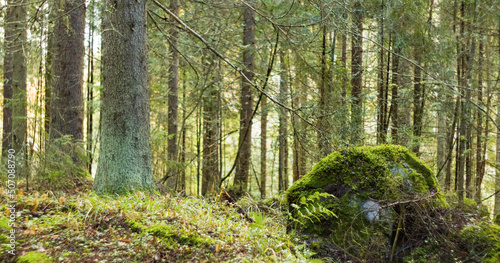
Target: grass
[{"x": 143, "y": 228}]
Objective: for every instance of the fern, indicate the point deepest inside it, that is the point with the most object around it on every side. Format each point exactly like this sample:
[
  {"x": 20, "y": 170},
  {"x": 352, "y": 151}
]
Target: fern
[{"x": 311, "y": 209}]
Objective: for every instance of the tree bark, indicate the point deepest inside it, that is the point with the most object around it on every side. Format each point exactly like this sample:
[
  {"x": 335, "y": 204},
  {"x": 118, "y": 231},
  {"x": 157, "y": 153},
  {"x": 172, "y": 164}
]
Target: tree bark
[
  {"x": 173, "y": 97},
  {"x": 8, "y": 73},
  {"x": 245, "y": 135},
  {"x": 67, "y": 111},
  {"x": 357, "y": 76},
  {"x": 14, "y": 116},
  {"x": 125, "y": 149}
]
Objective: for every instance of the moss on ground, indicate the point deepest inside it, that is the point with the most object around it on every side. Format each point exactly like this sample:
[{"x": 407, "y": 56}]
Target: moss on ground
[{"x": 34, "y": 257}]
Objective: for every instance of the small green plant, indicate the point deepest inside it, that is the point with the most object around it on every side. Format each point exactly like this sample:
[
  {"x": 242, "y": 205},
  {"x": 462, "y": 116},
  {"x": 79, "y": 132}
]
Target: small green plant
[{"x": 311, "y": 209}]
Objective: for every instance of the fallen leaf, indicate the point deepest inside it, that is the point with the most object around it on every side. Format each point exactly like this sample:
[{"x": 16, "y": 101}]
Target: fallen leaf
[{"x": 35, "y": 206}]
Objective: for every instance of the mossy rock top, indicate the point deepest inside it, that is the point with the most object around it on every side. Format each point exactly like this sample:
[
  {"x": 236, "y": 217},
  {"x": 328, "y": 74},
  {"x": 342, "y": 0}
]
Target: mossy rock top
[
  {"x": 377, "y": 172},
  {"x": 351, "y": 198}
]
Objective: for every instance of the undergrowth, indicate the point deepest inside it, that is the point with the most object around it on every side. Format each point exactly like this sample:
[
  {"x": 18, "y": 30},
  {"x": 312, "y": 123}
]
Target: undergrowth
[{"x": 147, "y": 228}]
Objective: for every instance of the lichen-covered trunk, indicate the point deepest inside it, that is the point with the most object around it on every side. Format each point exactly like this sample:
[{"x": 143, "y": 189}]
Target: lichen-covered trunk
[
  {"x": 173, "y": 97},
  {"x": 357, "y": 76},
  {"x": 125, "y": 150},
  {"x": 67, "y": 69},
  {"x": 245, "y": 134}
]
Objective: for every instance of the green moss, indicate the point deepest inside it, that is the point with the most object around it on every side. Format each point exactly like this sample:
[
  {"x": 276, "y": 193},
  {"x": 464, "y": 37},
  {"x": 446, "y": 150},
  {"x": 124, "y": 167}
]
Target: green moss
[
  {"x": 385, "y": 173},
  {"x": 134, "y": 225},
  {"x": 34, "y": 257},
  {"x": 171, "y": 235},
  {"x": 482, "y": 241},
  {"x": 177, "y": 235},
  {"x": 364, "y": 167}
]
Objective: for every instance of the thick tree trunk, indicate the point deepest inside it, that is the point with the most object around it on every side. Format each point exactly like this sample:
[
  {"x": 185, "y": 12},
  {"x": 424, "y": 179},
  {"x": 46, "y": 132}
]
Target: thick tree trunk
[
  {"x": 125, "y": 149},
  {"x": 14, "y": 115},
  {"x": 67, "y": 110},
  {"x": 245, "y": 136},
  {"x": 173, "y": 97},
  {"x": 357, "y": 76},
  {"x": 8, "y": 72}
]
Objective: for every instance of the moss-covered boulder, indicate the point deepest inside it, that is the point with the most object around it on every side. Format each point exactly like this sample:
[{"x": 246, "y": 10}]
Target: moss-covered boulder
[{"x": 354, "y": 199}]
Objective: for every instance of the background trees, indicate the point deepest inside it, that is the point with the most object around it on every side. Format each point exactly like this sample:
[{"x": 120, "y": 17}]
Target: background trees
[{"x": 335, "y": 74}]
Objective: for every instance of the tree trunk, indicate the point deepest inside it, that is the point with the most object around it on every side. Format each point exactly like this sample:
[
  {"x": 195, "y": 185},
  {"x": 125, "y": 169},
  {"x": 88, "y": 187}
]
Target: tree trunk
[
  {"x": 67, "y": 110},
  {"x": 283, "y": 129},
  {"x": 479, "y": 118},
  {"x": 299, "y": 154},
  {"x": 357, "y": 76},
  {"x": 324, "y": 101},
  {"x": 8, "y": 73},
  {"x": 394, "y": 111},
  {"x": 182, "y": 187},
  {"x": 210, "y": 172},
  {"x": 245, "y": 136},
  {"x": 497, "y": 170},
  {"x": 173, "y": 97},
  {"x": 90, "y": 87},
  {"x": 418, "y": 104},
  {"x": 263, "y": 146},
  {"x": 381, "y": 114},
  {"x": 15, "y": 121},
  {"x": 125, "y": 149},
  {"x": 48, "y": 67}
]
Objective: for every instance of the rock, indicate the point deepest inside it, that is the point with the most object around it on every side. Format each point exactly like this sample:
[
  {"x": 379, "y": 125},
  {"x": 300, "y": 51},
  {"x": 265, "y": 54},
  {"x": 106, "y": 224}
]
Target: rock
[{"x": 353, "y": 198}]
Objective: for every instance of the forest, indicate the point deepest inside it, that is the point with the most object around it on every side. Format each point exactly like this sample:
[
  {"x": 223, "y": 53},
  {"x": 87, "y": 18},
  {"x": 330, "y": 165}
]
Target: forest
[{"x": 250, "y": 131}]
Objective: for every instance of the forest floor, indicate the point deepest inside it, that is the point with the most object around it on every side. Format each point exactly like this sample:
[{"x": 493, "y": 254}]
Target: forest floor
[{"x": 141, "y": 228}]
